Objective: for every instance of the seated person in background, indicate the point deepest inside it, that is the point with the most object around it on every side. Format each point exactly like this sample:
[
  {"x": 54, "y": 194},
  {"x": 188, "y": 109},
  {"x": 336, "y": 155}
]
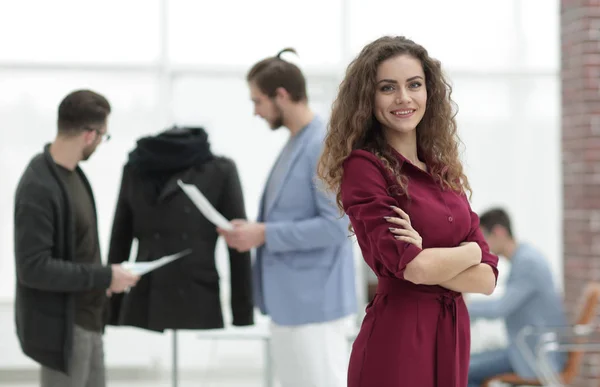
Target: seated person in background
[{"x": 530, "y": 299}]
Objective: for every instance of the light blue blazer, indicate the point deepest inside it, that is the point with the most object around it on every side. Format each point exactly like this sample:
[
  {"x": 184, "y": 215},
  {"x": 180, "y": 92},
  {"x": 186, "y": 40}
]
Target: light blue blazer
[
  {"x": 304, "y": 273},
  {"x": 530, "y": 299}
]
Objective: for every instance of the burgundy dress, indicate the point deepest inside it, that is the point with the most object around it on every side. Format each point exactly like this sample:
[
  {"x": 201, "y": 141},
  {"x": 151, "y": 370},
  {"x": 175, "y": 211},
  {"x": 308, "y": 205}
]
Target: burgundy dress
[{"x": 412, "y": 335}]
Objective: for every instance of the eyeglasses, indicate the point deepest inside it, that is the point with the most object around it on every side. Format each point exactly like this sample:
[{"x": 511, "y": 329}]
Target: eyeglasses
[{"x": 105, "y": 136}]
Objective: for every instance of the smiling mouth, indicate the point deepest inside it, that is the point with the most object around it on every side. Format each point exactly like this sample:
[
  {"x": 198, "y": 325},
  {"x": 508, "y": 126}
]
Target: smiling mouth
[{"x": 403, "y": 112}]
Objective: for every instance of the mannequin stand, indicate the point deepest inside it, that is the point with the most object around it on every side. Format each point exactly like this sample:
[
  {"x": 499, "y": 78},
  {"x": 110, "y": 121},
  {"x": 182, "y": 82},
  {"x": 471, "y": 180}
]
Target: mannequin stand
[{"x": 174, "y": 365}]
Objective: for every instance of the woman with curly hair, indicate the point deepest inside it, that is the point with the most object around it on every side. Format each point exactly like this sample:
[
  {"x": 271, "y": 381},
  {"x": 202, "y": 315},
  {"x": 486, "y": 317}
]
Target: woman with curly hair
[{"x": 391, "y": 156}]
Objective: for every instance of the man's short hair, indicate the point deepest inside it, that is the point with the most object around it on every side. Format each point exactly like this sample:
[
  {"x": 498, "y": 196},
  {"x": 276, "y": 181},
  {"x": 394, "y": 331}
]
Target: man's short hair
[
  {"x": 82, "y": 110},
  {"x": 495, "y": 217},
  {"x": 272, "y": 73}
]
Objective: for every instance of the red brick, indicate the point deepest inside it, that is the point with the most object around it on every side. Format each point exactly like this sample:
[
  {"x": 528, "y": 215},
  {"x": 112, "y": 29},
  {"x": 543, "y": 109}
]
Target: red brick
[{"x": 580, "y": 94}]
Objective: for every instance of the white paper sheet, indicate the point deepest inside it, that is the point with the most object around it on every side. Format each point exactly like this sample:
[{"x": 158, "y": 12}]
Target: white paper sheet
[
  {"x": 204, "y": 206},
  {"x": 141, "y": 268}
]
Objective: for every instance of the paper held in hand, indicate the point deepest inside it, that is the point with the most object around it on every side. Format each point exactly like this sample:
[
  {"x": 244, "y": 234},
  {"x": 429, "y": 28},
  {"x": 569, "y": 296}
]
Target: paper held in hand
[
  {"x": 141, "y": 268},
  {"x": 204, "y": 206}
]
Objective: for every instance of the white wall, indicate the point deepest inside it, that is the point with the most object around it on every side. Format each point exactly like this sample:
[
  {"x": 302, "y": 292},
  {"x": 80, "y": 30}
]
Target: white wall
[{"x": 503, "y": 69}]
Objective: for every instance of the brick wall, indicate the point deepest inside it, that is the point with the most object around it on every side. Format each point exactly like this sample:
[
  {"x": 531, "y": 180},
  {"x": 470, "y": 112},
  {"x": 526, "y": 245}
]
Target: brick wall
[{"x": 580, "y": 76}]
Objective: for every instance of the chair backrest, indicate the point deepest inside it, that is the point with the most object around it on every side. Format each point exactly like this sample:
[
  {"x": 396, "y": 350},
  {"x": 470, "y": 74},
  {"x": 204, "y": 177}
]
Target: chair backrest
[{"x": 587, "y": 313}]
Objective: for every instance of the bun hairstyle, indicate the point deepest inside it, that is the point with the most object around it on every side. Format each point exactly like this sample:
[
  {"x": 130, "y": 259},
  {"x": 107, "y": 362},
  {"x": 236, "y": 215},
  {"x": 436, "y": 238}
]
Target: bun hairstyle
[
  {"x": 287, "y": 49},
  {"x": 275, "y": 72}
]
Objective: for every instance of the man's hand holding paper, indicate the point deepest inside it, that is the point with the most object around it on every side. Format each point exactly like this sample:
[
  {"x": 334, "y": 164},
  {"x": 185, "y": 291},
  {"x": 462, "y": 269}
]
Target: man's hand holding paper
[
  {"x": 122, "y": 279},
  {"x": 244, "y": 236}
]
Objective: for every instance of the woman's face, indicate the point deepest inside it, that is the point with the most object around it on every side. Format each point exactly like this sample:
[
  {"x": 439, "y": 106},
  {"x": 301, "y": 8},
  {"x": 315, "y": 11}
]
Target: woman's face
[{"x": 400, "y": 94}]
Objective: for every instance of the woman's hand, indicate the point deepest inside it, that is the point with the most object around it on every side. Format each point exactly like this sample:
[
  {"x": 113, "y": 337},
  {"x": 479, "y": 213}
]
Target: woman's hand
[{"x": 407, "y": 233}]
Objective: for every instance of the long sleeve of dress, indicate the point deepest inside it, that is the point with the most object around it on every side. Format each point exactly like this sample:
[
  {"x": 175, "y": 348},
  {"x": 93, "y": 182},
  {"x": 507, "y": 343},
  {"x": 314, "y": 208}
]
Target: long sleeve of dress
[
  {"x": 366, "y": 201},
  {"x": 475, "y": 235}
]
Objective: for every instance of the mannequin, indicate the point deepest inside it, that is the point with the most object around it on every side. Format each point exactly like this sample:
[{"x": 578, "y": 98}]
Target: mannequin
[{"x": 152, "y": 208}]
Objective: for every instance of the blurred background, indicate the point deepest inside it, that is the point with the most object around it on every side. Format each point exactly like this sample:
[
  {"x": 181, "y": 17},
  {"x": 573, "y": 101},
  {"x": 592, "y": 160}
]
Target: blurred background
[{"x": 165, "y": 62}]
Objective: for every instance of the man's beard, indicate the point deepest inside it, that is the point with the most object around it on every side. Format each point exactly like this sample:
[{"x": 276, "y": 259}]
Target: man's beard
[
  {"x": 87, "y": 153},
  {"x": 278, "y": 121}
]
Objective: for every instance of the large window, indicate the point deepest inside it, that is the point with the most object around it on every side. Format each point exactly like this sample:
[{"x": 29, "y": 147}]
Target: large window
[
  {"x": 111, "y": 31},
  {"x": 242, "y": 32},
  {"x": 502, "y": 58},
  {"x": 465, "y": 34}
]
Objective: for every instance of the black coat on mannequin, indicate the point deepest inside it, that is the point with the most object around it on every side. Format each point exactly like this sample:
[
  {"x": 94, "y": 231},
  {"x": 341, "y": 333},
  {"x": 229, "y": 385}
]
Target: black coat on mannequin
[{"x": 152, "y": 208}]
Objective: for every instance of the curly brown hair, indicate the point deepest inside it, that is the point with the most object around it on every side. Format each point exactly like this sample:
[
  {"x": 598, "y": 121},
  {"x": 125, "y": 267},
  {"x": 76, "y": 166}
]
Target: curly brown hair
[{"x": 353, "y": 125}]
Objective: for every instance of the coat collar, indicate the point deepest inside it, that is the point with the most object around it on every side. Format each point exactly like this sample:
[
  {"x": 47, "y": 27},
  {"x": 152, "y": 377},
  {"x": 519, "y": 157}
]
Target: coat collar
[{"x": 171, "y": 186}]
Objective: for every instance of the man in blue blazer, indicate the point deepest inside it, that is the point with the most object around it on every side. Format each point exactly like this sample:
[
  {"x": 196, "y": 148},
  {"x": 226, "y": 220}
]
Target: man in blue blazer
[
  {"x": 530, "y": 299},
  {"x": 304, "y": 275}
]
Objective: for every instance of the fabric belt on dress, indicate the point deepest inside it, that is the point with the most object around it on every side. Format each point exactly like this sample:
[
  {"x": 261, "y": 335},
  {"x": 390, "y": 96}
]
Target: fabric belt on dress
[{"x": 447, "y": 327}]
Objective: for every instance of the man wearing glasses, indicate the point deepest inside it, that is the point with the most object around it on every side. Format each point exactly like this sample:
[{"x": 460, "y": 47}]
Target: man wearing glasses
[{"x": 61, "y": 283}]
